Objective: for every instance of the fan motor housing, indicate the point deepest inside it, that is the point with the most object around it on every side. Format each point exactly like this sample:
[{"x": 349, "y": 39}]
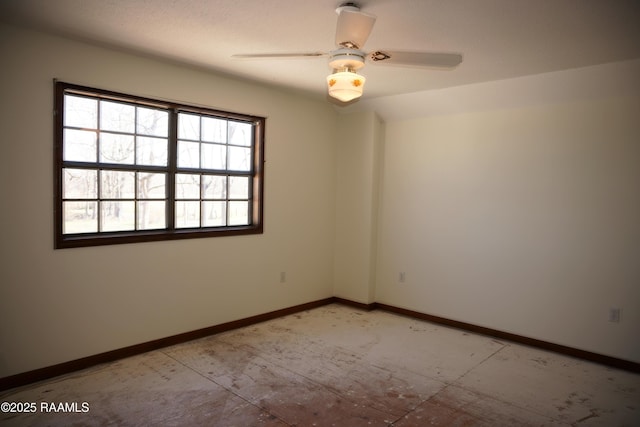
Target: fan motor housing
[{"x": 350, "y": 59}]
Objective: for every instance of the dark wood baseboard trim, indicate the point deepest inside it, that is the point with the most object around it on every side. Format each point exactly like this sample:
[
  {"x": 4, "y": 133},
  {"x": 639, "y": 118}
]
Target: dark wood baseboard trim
[
  {"x": 110, "y": 356},
  {"x": 614, "y": 362},
  {"x": 354, "y": 304}
]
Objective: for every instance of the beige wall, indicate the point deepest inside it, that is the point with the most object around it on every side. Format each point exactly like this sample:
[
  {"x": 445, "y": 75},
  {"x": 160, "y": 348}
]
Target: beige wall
[
  {"x": 61, "y": 305},
  {"x": 357, "y": 188},
  {"x": 525, "y": 220}
]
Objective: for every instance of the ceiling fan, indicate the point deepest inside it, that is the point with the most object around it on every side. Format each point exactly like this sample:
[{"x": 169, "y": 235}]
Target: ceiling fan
[{"x": 352, "y": 32}]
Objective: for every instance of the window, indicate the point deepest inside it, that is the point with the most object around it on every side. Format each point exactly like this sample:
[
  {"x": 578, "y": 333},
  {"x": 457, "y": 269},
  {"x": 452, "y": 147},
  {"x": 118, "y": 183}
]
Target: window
[{"x": 131, "y": 169}]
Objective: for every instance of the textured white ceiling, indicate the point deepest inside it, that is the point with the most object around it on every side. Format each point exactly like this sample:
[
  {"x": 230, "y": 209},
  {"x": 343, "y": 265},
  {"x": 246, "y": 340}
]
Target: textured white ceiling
[{"x": 499, "y": 39}]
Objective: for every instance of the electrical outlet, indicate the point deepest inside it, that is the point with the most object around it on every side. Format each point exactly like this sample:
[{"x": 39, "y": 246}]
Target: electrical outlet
[
  {"x": 614, "y": 315},
  {"x": 283, "y": 276},
  {"x": 401, "y": 277}
]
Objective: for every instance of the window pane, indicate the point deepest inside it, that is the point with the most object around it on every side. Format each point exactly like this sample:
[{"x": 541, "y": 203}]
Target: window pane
[
  {"x": 238, "y": 213},
  {"x": 187, "y": 214},
  {"x": 188, "y": 126},
  {"x": 188, "y": 154},
  {"x": 117, "y": 185},
  {"x": 187, "y": 186},
  {"x": 152, "y": 185},
  {"x": 214, "y": 214},
  {"x": 214, "y": 130},
  {"x": 214, "y": 156},
  {"x": 214, "y": 187},
  {"x": 79, "y": 217},
  {"x": 116, "y": 148},
  {"x": 79, "y": 184},
  {"x": 117, "y": 117},
  {"x": 239, "y": 159},
  {"x": 152, "y": 122},
  {"x": 117, "y": 216},
  {"x": 151, "y": 151},
  {"x": 80, "y": 145},
  {"x": 240, "y": 133},
  {"x": 80, "y": 112},
  {"x": 238, "y": 187},
  {"x": 152, "y": 215}
]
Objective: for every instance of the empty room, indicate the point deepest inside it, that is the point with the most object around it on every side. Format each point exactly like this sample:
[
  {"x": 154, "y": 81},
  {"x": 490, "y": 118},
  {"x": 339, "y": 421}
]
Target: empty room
[{"x": 299, "y": 213}]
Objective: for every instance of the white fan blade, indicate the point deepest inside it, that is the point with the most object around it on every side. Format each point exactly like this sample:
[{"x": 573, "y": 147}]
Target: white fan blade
[
  {"x": 353, "y": 28},
  {"x": 279, "y": 55},
  {"x": 416, "y": 59}
]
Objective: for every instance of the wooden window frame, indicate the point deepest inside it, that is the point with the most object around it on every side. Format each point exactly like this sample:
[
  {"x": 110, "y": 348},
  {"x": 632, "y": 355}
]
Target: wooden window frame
[{"x": 255, "y": 174}]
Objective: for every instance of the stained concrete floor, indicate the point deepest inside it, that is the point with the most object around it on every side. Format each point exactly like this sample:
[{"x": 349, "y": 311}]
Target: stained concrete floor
[{"x": 338, "y": 366}]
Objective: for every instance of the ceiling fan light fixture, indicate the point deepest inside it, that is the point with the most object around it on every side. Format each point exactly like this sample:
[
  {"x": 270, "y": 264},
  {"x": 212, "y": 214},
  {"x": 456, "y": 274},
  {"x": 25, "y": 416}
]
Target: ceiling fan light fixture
[
  {"x": 352, "y": 31},
  {"x": 345, "y": 85}
]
